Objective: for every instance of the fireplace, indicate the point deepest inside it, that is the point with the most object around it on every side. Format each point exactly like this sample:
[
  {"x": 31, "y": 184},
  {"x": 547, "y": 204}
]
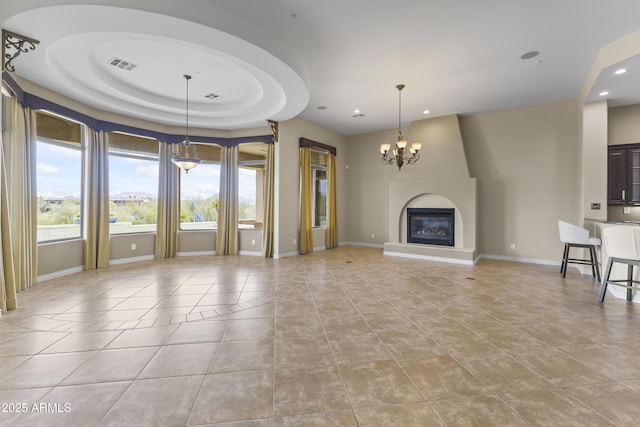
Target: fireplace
[{"x": 431, "y": 226}]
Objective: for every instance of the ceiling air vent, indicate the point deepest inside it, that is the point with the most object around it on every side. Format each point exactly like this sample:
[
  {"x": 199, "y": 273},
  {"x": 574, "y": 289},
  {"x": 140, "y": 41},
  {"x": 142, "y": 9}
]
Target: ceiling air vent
[
  {"x": 122, "y": 64},
  {"x": 213, "y": 96}
]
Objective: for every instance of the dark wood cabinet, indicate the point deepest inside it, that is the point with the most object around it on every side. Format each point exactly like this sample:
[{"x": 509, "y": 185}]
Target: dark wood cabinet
[{"x": 624, "y": 175}]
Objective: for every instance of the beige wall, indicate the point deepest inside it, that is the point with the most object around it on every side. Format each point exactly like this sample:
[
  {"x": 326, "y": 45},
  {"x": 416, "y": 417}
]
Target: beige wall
[
  {"x": 527, "y": 166},
  {"x": 594, "y": 160},
  {"x": 368, "y": 179},
  {"x": 121, "y": 246},
  {"x": 287, "y": 181},
  {"x": 624, "y": 125},
  {"x": 526, "y": 161},
  {"x": 58, "y": 257},
  {"x": 368, "y": 188}
]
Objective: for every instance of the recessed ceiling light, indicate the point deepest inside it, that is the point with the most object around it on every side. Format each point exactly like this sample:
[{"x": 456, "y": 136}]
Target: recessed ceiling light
[
  {"x": 621, "y": 71},
  {"x": 358, "y": 115},
  {"x": 426, "y": 112},
  {"x": 530, "y": 54},
  {"x": 321, "y": 107},
  {"x": 604, "y": 93},
  {"x": 356, "y": 111}
]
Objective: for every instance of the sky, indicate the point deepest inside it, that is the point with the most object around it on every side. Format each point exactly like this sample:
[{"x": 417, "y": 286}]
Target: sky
[{"x": 59, "y": 175}]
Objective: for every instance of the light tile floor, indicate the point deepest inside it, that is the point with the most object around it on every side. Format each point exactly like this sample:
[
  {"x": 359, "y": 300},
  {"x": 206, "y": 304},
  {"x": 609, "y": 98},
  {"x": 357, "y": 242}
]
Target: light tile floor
[{"x": 344, "y": 337}]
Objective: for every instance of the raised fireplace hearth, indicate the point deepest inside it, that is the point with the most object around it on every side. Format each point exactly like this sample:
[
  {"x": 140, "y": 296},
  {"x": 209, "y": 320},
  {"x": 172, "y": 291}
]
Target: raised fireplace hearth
[
  {"x": 458, "y": 194},
  {"x": 431, "y": 226}
]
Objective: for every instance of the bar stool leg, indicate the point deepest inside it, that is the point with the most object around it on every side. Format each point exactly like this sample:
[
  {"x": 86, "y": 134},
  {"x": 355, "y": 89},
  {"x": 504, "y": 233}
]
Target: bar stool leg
[
  {"x": 605, "y": 279},
  {"x": 594, "y": 262},
  {"x": 629, "y": 282},
  {"x": 565, "y": 258}
]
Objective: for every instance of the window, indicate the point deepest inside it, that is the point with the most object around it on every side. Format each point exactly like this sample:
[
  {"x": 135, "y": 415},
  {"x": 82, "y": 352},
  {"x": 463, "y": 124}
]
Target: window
[
  {"x": 250, "y": 185},
  {"x": 319, "y": 190},
  {"x": 199, "y": 191},
  {"x": 58, "y": 177},
  {"x": 133, "y": 184}
]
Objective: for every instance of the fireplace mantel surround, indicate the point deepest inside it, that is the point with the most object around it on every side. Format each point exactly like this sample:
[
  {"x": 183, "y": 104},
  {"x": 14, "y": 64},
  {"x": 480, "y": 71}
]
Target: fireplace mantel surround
[{"x": 460, "y": 192}]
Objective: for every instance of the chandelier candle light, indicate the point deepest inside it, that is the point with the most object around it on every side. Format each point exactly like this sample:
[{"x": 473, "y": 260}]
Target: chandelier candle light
[
  {"x": 186, "y": 158},
  {"x": 399, "y": 151}
]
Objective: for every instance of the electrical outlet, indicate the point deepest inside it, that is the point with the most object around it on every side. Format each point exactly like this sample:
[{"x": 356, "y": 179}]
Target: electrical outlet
[
  {"x": 626, "y": 210},
  {"x": 513, "y": 246},
  {"x": 373, "y": 236},
  {"x": 253, "y": 242},
  {"x": 595, "y": 206},
  {"x": 295, "y": 241},
  {"x": 133, "y": 246}
]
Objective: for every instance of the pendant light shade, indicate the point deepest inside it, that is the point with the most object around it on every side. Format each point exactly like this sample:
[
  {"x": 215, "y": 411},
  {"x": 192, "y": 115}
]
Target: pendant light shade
[{"x": 187, "y": 157}]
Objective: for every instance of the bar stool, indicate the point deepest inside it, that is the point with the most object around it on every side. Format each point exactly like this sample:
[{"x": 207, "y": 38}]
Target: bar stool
[
  {"x": 621, "y": 244},
  {"x": 577, "y": 237}
]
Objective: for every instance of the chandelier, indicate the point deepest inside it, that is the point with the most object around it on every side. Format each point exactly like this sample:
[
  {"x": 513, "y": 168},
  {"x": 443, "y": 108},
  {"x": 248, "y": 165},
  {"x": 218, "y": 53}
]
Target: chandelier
[
  {"x": 399, "y": 154},
  {"x": 186, "y": 158}
]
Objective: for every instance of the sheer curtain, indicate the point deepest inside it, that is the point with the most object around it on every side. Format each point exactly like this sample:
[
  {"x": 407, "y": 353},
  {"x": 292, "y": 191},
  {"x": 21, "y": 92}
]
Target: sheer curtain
[
  {"x": 306, "y": 190},
  {"x": 168, "y": 204},
  {"x": 269, "y": 201},
  {"x": 10, "y": 287},
  {"x": 95, "y": 217},
  {"x": 331, "y": 233},
  {"x": 227, "y": 234},
  {"x": 18, "y": 228}
]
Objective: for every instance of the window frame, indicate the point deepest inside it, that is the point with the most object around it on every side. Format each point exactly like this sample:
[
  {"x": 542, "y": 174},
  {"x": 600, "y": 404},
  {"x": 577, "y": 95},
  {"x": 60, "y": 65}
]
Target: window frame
[
  {"x": 180, "y": 228},
  {"x": 256, "y": 162},
  {"x": 71, "y": 145},
  {"x": 314, "y": 188},
  {"x": 119, "y": 152}
]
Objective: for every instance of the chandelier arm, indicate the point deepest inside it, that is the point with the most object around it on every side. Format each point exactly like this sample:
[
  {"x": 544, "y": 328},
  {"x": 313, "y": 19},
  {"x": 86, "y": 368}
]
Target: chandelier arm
[{"x": 411, "y": 160}]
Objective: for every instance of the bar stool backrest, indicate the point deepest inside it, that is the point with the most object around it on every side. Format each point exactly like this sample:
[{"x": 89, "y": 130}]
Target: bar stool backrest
[
  {"x": 622, "y": 242},
  {"x": 570, "y": 233}
]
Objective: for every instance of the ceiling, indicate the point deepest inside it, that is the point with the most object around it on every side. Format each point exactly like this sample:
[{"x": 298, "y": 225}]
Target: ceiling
[{"x": 253, "y": 60}]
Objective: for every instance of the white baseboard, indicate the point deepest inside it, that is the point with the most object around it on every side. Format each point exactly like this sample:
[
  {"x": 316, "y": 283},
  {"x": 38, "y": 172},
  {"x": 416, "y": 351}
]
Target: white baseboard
[
  {"x": 582, "y": 269},
  {"x": 285, "y": 254},
  {"x": 520, "y": 259},
  {"x": 132, "y": 259},
  {"x": 250, "y": 253},
  {"x": 60, "y": 273},
  {"x": 368, "y": 245},
  {"x": 196, "y": 253}
]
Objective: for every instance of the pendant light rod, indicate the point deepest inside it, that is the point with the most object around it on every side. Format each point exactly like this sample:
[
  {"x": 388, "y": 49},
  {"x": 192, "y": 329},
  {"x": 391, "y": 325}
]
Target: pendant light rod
[
  {"x": 187, "y": 77},
  {"x": 400, "y": 87}
]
